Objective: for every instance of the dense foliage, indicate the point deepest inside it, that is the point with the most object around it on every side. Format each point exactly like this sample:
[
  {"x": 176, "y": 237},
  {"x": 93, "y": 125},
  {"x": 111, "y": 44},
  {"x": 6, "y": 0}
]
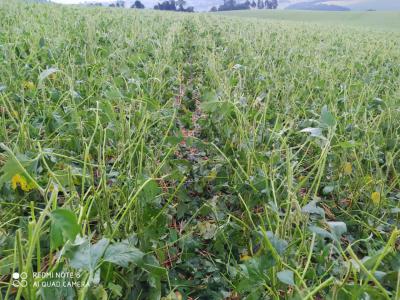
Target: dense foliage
[
  {"x": 138, "y": 4},
  {"x": 196, "y": 156},
  {"x": 234, "y": 5},
  {"x": 173, "y": 5}
]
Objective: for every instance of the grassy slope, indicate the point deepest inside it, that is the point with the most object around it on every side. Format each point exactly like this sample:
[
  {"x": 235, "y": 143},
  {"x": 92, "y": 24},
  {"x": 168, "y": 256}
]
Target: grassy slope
[
  {"x": 246, "y": 206},
  {"x": 389, "y": 21}
]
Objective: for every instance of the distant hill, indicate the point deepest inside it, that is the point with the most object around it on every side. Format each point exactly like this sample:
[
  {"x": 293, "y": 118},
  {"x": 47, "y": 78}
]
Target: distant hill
[
  {"x": 324, "y": 5},
  {"x": 317, "y": 5},
  {"x": 389, "y": 5},
  {"x": 376, "y": 5}
]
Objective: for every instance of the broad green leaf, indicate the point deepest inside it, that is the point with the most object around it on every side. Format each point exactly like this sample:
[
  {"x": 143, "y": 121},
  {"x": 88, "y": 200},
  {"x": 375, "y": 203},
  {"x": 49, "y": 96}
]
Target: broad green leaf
[
  {"x": 222, "y": 107},
  {"x": 116, "y": 289},
  {"x": 254, "y": 272},
  {"x": 337, "y": 228},
  {"x": 46, "y": 73},
  {"x": 210, "y": 106},
  {"x": 108, "y": 110},
  {"x": 151, "y": 265},
  {"x": 245, "y": 285},
  {"x": 391, "y": 278},
  {"x": 65, "y": 220},
  {"x": 122, "y": 254},
  {"x": 155, "y": 287},
  {"x": 207, "y": 230},
  {"x": 20, "y": 165},
  {"x": 83, "y": 255},
  {"x": 357, "y": 292},
  {"x": 99, "y": 293},
  {"x": 6, "y": 265},
  {"x": 321, "y": 232},
  {"x": 42, "y": 42},
  {"x": 328, "y": 189},
  {"x": 395, "y": 210},
  {"x": 286, "y": 276},
  {"x": 56, "y": 236},
  {"x": 57, "y": 288},
  {"x": 279, "y": 244},
  {"x": 380, "y": 275},
  {"x": 326, "y": 117},
  {"x": 312, "y": 208},
  {"x": 316, "y": 132},
  {"x": 209, "y": 96}
]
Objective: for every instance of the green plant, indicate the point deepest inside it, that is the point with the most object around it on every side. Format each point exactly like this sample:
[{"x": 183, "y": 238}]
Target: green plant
[{"x": 157, "y": 155}]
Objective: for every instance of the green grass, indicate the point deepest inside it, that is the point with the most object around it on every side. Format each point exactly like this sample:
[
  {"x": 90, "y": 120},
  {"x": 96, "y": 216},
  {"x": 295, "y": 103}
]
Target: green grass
[
  {"x": 196, "y": 156},
  {"x": 376, "y": 20}
]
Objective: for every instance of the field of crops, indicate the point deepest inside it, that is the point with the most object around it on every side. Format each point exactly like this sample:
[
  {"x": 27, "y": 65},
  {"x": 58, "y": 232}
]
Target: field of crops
[
  {"x": 372, "y": 20},
  {"x": 148, "y": 155}
]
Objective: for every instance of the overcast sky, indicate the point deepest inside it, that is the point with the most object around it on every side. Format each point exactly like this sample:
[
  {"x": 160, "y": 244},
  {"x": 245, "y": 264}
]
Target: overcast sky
[
  {"x": 73, "y": 1},
  {"x": 80, "y": 1},
  {"x": 68, "y": 1}
]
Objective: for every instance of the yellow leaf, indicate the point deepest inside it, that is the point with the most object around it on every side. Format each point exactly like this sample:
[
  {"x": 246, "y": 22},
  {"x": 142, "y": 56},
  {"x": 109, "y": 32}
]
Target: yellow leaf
[
  {"x": 28, "y": 85},
  {"x": 348, "y": 168},
  {"x": 245, "y": 257},
  {"x": 376, "y": 198},
  {"x": 14, "y": 181},
  {"x": 178, "y": 296},
  {"x": 212, "y": 175},
  {"x": 19, "y": 180},
  {"x": 368, "y": 180}
]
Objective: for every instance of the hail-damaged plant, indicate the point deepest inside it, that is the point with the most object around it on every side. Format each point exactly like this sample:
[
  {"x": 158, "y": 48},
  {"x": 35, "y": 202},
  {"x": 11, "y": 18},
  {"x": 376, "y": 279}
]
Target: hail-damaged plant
[{"x": 170, "y": 156}]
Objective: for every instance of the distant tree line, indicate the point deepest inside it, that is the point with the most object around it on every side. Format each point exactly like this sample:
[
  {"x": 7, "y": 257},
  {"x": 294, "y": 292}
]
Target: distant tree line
[
  {"x": 138, "y": 5},
  {"x": 233, "y": 5},
  {"x": 120, "y": 3},
  {"x": 174, "y": 5}
]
